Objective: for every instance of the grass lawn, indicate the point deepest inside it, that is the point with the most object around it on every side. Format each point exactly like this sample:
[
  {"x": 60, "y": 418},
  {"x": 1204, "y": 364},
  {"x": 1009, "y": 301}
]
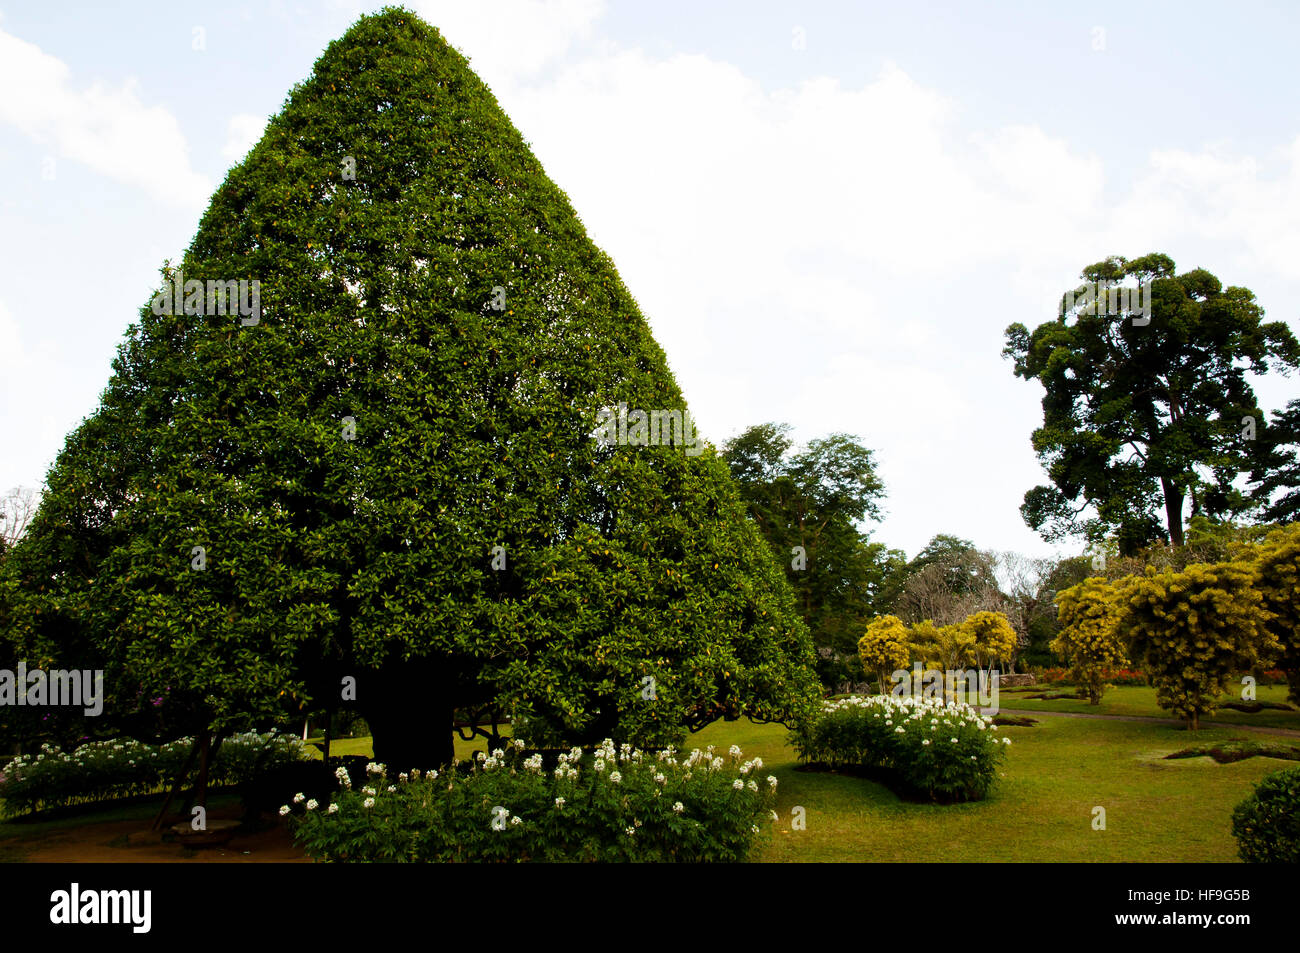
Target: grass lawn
[
  {"x": 1141, "y": 700},
  {"x": 1041, "y": 809},
  {"x": 1054, "y": 774}
]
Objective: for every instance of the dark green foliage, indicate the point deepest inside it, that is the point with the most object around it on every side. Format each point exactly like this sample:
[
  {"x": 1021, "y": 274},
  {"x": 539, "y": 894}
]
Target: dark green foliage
[
  {"x": 1276, "y": 474},
  {"x": 610, "y": 805},
  {"x": 1267, "y": 824},
  {"x": 117, "y": 768},
  {"x": 1130, "y": 412},
  {"x": 816, "y": 500},
  {"x": 368, "y": 552},
  {"x": 965, "y": 569},
  {"x": 922, "y": 748}
]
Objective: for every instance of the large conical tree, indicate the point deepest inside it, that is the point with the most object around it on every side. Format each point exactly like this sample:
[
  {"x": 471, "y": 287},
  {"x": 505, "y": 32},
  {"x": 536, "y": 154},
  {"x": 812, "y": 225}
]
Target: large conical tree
[{"x": 390, "y": 468}]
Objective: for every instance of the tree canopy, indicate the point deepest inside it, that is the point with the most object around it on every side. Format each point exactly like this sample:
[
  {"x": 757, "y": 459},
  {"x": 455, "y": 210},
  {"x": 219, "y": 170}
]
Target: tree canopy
[
  {"x": 809, "y": 507},
  {"x": 386, "y": 473},
  {"x": 1142, "y": 412}
]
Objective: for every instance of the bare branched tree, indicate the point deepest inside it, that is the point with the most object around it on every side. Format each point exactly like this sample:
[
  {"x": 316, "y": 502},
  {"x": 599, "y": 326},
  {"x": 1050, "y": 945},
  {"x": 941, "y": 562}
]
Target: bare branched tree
[
  {"x": 1022, "y": 578},
  {"x": 17, "y": 507},
  {"x": 930, "y": 593}
]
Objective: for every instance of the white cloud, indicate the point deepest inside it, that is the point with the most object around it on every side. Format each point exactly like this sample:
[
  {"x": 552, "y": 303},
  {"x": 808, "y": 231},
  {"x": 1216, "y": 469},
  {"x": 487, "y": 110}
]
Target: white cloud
[
  {"x": 242, "y": 132},
  {"x": 841, "y": 257},
  {"x": 109, "y": 130},
  {"x": 506, "y": 39},
  {"x": 846, "y": 259}
]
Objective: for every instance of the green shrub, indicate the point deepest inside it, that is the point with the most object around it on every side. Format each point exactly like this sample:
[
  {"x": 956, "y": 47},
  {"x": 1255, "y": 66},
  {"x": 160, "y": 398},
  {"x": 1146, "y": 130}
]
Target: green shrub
[
  {"x": 102, "y": 770},
  {"x": 941, "y": 751},
  {"x": 612, "y": 804},
  {"x": 1267, "y": 824}
]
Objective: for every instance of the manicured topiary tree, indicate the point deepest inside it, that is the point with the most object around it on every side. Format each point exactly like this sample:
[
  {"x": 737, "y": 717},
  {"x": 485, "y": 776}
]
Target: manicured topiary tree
[
  {"x": 1089, "y": 641},
  {"x": 884, "y": 647},
  {"x": 1194, "y": 630},
  {"x": 1277, "y": 577},
  {"x": 380, "y": 479}
]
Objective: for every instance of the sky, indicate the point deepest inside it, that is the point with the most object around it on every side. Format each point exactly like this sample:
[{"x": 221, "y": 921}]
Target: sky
[{"x": 828, "y": 212}]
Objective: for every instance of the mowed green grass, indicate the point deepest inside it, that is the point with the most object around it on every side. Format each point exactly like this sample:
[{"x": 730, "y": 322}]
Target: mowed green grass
[
  {"x": 1141, "y": 700},
  {"x": 1041, "y": 809}
]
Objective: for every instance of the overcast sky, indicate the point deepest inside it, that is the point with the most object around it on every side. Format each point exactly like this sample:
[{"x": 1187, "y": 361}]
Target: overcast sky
[{"x": 828, "y": 212}]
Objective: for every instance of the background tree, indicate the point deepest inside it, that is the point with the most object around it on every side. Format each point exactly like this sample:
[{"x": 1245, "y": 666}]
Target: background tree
[
  {"x": 993, "y": 638},
  {"x": 1275, "y": 477},
  {"x": 1043, "y": 625},
  {"x": 17, "y": 507},
  {"x": 1089, "y": 640},
  {"x": 884, "y": 648},
  {"x": 1138, "y": 418},
  {"x": 1194, "y": 630},
  {"x": 809, "y": 506},
  {"x": 1023, "y": 581},
  {"x": 390, "y": 475},
  {"x": 946, "y": 647},
  {"x": 947, "y": 581},
  {"x": 1276, "y": 563}
]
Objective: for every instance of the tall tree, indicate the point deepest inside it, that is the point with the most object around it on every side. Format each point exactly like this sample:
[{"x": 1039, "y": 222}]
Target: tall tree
[
  {"x": 383, "y": 479},
  {"x": 945, "y": 582},
  {"x": 1144, "y": 399},
  {"x": 1275, "y": 478},
  {"x": 809, "y": 506}
]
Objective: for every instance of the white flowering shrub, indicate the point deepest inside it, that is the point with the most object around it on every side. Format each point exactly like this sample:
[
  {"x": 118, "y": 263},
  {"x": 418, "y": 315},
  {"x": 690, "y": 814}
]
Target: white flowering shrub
[
  {"x": 943, "y": 751},
  {"x": 103, "y": 770},
  {"x": 607, "y": 805}
]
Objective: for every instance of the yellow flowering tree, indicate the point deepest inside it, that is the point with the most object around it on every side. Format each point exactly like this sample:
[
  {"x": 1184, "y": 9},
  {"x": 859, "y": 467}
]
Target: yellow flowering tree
[
  {"x": 943, "y": 646},
  {"x": 1090, "y": 640},
  {"x": 884, "y": 648},
  {"x": 992, "y": 638},
  {"x": 1277, "y": 577},
  {"x": 1194, "y": 630}
]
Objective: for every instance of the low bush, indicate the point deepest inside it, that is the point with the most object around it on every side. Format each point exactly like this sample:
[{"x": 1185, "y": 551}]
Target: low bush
[
  {"x": 1267, "y": 824},
  {"x": 929, "y": 748},
  {"x": 103, "y": 770},
  {"x": 612, "y": 804}
]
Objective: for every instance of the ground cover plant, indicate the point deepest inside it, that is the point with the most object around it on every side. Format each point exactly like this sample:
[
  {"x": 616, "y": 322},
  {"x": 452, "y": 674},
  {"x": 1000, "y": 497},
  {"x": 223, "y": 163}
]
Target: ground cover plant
[
  {"x": 1141, "y": 701},
  {"x": 1239, "y": 749}
]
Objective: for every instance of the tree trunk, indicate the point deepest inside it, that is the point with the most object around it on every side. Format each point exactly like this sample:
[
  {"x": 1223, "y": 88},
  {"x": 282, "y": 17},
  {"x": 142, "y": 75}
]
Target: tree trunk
[
  {"x": 205, "y": 761},
  {"x": 178, "y": 783},
  {"x": 1173, "y": 511},
  {"x": 410, "y": 730}
]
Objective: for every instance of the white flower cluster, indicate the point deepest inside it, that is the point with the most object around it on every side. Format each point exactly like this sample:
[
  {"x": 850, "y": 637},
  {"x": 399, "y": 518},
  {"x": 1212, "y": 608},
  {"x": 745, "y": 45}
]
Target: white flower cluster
[
  {"x": 567, "y": 764},
  {"x": 923, "y": 713}
]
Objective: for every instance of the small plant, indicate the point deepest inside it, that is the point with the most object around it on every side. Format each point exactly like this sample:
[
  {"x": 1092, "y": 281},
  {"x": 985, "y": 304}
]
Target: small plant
[
  {"x": 609, "y": 805},
  {"x": 1267, "y": 823}
]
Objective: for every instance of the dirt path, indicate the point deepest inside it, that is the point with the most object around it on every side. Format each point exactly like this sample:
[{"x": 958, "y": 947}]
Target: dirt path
[
  {"x": 1175, "y": 722},
  {"x": 131, "y": 842}
]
